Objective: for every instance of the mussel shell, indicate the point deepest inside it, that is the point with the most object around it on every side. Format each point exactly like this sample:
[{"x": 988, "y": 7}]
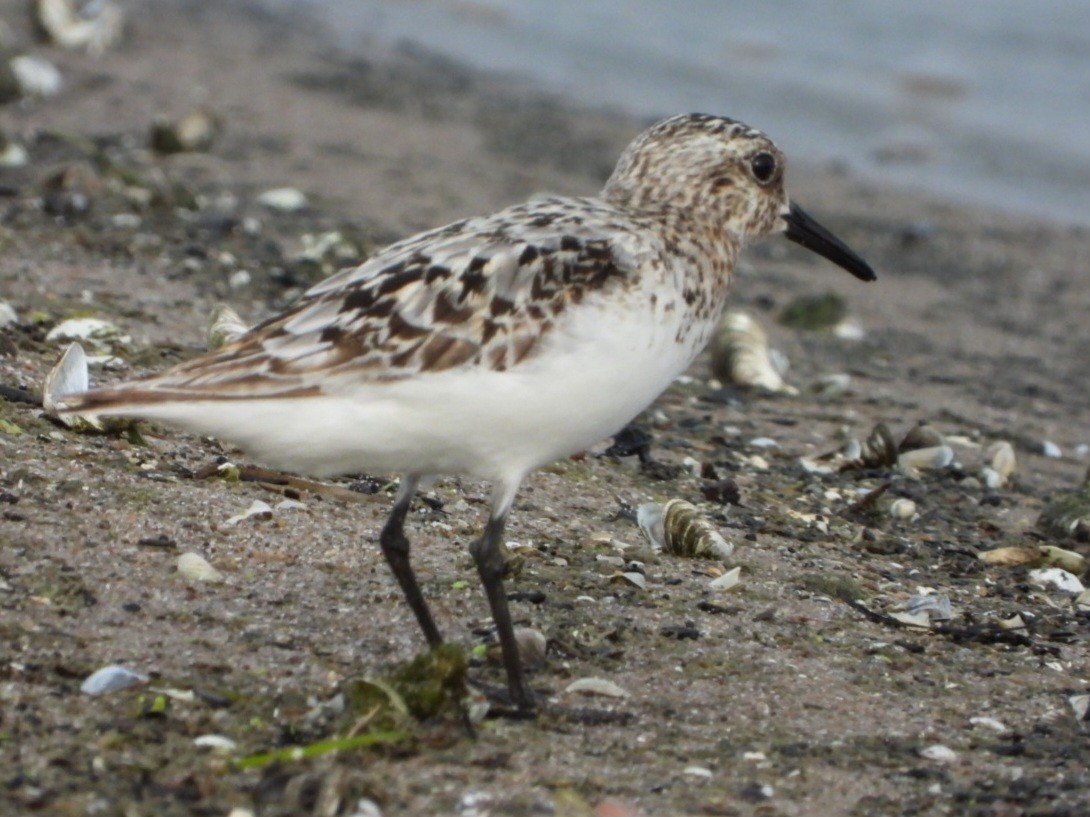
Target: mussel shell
[
  {"x": 686, "y": 532},
  {"x": 921, "y": 436}
]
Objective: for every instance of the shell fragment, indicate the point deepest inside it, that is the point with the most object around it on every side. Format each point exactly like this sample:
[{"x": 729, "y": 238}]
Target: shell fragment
[
  {"x": 196, "y": 567},
  {"x": 597, "y": 686},
  {"x": 1057, "y": 577},
  {"x": 111, "y": 679},
  {"x": 741, "y": 355}
]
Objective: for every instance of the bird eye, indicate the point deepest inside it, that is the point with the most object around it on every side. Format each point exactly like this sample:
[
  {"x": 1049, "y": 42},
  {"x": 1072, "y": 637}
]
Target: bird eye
[{"x": 763, "y": 166}]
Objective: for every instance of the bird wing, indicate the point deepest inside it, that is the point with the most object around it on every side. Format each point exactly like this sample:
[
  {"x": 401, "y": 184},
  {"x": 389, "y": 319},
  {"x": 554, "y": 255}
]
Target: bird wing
[{"x": 480, "y": 293}]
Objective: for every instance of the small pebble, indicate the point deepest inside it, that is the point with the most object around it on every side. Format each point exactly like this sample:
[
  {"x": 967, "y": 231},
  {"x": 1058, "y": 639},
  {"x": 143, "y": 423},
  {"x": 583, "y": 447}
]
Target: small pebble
[
  {"x": 902, "y": 509},
  {"x": 849, "y": 329},
  {"x": 532, "y": 645},
  {"x": 12, "y": 154},
  {"x": 939, "y": 753},
  {"x": 283, "y": 200},
  {"x": 36, "y": 76},
  {"x": 290, "y": 505},
  {"x": 832, "y": 385},
  {"x": 989, "y": 723},
  {"x": 1081, "y": 706},
  {"x": 698, "y": 771},
  {"x": 126, "y": 221},
  {"x": 218, "y": 743},
  {"x": 239, "y": 279}
]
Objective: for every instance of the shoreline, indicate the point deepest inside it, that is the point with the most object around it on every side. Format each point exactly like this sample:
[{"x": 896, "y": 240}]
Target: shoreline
[{"x": 940, "y": 124}]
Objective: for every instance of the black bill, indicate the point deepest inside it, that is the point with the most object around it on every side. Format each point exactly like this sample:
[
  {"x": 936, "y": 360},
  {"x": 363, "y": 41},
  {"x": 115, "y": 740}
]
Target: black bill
[{"x": 805, "y": 231}]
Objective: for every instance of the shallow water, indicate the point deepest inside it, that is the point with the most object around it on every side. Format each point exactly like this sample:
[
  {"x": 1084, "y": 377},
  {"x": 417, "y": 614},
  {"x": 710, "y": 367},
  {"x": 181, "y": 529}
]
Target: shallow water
[{"x": 981, "y": 100}]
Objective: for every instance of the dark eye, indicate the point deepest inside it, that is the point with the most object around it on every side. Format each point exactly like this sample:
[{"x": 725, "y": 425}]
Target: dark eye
[{"x": 763, "y": 166}]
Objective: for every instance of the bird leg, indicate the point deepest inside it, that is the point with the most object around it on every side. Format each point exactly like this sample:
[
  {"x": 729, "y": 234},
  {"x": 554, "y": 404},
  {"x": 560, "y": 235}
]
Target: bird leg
[
  {"x": 488, "y": 554},
  {"x": 395, "y": 547}
]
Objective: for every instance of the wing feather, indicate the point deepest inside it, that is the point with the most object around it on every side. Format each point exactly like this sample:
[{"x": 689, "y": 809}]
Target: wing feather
[{"x": 482, "y": 292}]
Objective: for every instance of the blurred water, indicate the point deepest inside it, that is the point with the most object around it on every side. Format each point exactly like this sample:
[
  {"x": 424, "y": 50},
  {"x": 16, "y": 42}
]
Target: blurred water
[{"x": 978, "y": 100}]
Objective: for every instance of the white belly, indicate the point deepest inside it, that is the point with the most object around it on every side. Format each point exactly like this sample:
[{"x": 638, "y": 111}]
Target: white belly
[{"x": 591, "y": 375}]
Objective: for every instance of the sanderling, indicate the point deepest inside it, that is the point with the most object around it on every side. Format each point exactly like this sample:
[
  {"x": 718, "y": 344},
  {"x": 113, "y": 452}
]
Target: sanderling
[{"x": 496, "y": 344}]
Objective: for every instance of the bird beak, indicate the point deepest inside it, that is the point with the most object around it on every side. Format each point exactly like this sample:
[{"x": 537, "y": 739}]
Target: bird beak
[{"x": 802, "y": 229}]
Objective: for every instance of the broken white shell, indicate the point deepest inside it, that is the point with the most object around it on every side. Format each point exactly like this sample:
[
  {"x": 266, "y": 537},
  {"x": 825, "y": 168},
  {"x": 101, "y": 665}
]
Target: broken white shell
[
  {"x": 936, "y": 607},
  {"x": 224, "y": 326},
  {"x": 217, "y": 743},
  {"x": 634, "y": 578},
  {"x": 95, "y": 26},
  {"x": 7, "y": 314},
  {"x": 649, "y": 519},
  {"x": 728, "y": 581},
  {"x": 95, "y": 331},
  {"x": 1000, "y": 463},
  {"x": 991, "y": 723},
  {"x": 257, "y": 508},
  {"x": 283, "y": 200},
  {"x": 919, "y": 619},
  {"x": 1057, "y": 577},
  {"x": 939, "y": 753},
  {"x": 69, "y": 376},
  {"x": 196, "y": 567},
  {"x": 290, "y": 505},
  {"x": 597, "y": 686},
  {"x": 111, "y": 679}
]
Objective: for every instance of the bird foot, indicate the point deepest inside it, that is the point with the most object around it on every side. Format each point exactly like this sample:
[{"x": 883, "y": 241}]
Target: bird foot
[{"x": 501, "y": 704}]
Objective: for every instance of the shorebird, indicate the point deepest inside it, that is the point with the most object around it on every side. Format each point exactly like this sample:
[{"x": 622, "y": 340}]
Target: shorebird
[{"x": 496, "y": 344}]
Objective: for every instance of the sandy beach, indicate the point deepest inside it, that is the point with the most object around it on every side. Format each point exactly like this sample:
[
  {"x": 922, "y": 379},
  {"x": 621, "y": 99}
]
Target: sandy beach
[{"x": 799, "y": 692}]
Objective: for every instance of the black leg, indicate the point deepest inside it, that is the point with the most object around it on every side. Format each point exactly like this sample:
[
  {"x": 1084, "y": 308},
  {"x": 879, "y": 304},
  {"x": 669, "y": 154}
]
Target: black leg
[
  {"x": 395, "y": 547},
  {"x": 488, "y": 554}
]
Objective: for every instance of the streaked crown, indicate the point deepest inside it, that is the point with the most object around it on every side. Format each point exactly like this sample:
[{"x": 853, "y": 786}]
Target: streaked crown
[{"x": 704, "y": 167}]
